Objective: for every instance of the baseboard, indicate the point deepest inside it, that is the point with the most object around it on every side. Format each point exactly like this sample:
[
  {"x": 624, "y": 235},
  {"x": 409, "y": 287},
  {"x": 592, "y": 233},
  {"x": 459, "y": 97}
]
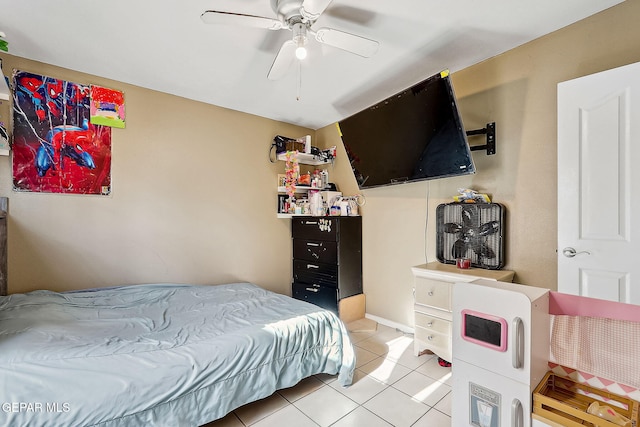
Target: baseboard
[{"x": 386, "y": 322}]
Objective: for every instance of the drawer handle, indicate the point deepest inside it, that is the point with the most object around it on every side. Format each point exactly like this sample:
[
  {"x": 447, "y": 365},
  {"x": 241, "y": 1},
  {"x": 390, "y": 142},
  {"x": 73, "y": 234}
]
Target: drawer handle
[
  {"x": 430, "y": 324},
  {"x": 311, "y": 289},
  {"x": 430, "y": 337},
  {"x": 312, "y": 266},
  {"x": 312, "y": 244},
  {"x": 311, "y": 222},
  {"x": 430, "y": 293}
]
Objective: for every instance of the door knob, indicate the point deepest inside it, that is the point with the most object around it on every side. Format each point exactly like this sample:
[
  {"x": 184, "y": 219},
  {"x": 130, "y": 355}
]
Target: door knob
[{"x": 571, "y": 252}]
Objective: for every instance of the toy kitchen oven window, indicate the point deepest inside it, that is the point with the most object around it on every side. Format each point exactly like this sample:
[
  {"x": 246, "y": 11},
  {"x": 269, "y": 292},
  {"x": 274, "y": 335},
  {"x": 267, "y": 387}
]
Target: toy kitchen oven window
[{"x": 484, "y": 329}]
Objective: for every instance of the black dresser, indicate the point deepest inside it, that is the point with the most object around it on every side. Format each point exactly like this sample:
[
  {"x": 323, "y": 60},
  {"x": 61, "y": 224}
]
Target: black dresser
[{"x": 327, "y": 259}]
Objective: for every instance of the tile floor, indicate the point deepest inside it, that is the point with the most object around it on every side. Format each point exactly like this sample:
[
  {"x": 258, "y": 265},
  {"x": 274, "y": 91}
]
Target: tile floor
[{"x": 392, "y": 387}]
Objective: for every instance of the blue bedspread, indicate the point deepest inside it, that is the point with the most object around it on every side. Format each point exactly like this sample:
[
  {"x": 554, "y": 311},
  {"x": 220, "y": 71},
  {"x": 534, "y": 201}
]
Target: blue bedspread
[{"x": 170, "y": 355}]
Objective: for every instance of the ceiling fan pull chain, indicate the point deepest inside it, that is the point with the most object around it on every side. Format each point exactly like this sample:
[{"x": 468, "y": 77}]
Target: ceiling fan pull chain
[{"x": 299, "y": 88}]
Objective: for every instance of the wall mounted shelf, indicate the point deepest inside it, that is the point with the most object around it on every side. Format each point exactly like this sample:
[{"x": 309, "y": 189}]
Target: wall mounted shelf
[{"x": 306, "y": 159}]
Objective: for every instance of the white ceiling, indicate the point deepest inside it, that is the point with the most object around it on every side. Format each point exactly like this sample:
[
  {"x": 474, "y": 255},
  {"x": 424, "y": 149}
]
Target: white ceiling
[{"x": 164, "y": 45}]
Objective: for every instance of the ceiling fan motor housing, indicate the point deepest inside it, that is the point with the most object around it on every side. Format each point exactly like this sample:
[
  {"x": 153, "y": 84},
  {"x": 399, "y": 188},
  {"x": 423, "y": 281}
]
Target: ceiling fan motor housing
[
  {"x": 288, "y": 11},
  {"x": 471, "y": 230}
]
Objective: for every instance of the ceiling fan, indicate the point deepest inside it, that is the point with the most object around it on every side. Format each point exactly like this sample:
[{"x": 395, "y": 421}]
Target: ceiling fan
[{"x": 298, "y": 16}]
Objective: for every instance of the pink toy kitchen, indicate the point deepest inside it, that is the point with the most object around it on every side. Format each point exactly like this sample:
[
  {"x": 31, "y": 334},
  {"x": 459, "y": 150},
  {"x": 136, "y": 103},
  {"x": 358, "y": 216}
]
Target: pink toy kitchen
[{"x": 526, "y": 356}]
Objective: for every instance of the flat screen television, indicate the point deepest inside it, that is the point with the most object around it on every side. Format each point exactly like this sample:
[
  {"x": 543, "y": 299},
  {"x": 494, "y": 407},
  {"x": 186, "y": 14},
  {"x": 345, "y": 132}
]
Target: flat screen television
[{"x": 414, "y": 135}]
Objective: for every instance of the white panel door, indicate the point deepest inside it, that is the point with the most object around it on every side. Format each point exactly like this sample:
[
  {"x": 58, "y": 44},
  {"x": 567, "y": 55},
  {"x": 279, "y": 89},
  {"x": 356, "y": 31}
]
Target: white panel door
[{"x": 598, "y": 182}]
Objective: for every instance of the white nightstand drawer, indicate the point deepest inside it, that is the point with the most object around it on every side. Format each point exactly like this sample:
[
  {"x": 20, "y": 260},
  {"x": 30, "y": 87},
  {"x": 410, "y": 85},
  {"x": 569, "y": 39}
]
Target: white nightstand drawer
[
  {"x": 433, "y": 300},
  {"x": 434, "y": 324},
  {"x": 438, "y": 343},
  {"x": 433, "y": 293},
  {"x": 434, "y": 339}
]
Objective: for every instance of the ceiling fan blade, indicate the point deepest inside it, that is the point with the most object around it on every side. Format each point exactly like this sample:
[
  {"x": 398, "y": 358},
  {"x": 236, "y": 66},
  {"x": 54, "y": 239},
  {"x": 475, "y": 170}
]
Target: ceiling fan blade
[
  {"x": 347, "y": 41},
  {"x": 312, "y": 9},
  {"x": 229, "y": 18},
  {"x": 283, "y": 60}
]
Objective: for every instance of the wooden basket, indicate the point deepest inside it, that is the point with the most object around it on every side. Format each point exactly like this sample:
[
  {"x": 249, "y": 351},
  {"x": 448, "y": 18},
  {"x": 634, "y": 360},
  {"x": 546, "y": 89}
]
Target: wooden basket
[{"x": 565, "y": 401}]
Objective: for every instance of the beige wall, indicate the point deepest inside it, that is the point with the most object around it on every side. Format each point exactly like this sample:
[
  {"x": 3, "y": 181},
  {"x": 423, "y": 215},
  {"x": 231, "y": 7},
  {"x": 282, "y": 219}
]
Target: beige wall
[
  {"x": 517, "y": 90},
  {"x": 194, "y": 196},
  {"x": 193, "y": 200}
]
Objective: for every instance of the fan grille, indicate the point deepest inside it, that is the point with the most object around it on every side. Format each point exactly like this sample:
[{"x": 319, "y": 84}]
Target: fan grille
[{"x": 462, "y": 233}]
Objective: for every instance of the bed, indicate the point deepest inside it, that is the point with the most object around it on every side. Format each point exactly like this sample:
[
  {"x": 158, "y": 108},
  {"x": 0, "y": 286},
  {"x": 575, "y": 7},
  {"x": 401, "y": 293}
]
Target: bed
[{"x": 158, "y": 354}]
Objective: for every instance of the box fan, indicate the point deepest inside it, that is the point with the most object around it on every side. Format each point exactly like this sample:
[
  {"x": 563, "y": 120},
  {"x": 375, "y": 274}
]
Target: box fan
[{"x": 474, "y": 231}]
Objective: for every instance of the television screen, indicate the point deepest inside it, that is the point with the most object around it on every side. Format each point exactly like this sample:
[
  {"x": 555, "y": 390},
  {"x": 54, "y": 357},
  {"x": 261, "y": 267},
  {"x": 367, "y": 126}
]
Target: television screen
[{"x": 414, "y": 135}]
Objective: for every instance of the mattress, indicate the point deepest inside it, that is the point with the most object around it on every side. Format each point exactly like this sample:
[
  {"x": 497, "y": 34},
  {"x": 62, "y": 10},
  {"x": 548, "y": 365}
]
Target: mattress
[{"x": 158, "y": 354}]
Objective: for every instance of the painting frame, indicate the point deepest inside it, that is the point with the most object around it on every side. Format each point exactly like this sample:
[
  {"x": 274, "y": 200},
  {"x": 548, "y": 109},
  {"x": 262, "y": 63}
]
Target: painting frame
[{"x": 56, "y": 149}]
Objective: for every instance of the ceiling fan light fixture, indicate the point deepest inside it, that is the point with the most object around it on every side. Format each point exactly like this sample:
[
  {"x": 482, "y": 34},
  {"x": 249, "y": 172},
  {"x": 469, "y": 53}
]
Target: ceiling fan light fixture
[
  {"x": 301, "y": 52},
  {"x": 300, "y": 39}
]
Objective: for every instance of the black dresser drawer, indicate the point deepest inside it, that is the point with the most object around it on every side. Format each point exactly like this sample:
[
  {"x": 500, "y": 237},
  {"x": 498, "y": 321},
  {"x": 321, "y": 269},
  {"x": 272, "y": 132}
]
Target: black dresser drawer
[
  {"x": 315, "y": 273},
  {"x": 319, "y": 295},
  {"x": 312, "y": 228},
  {"x": 327, "y": 259},
  {"x": 315, "y": 250}
]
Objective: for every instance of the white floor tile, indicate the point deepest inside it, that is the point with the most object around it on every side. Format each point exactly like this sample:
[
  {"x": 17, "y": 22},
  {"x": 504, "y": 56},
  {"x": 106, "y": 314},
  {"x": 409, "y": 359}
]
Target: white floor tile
[
  {"x": 387, "y": 332},
  {"x": 231, "y": 420},
  {"x": 361, "y": 418},
  {"x": 375, "y": 345},
  {"x": 445, "y": 404},
  {"x": 253, "y": 412},
  {"x": 364, "y": 356},
  {"x": 325, "y": 405},
  {"x": 422, "y": 388},
  {"x": 326, "y": 378},
  {"x": 433, "y": 418},
  {"x": 304, "y": 387},
  {"x": 401, "y": 351},
  {"x": 396, "y": 408},
  {"x": 288, "y": 416},
  {"x": 432, "y": 369},
  {"x": 356, "y": 337},
  {"x": 363, "y": 388},
  {"x": 384, "y": 370}
]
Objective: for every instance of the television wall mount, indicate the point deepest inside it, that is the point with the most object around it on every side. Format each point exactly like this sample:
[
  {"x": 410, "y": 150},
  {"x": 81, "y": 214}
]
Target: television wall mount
[{"x": 490, "y": 131}]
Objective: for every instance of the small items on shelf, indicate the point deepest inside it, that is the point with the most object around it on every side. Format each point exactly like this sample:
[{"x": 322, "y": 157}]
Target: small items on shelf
[
  {"x": 310, "y": 192},
  {"x": 320, "y": 203},
  {"x": 315, "y": 158},
  {"x": 301, "y": 147},
  {"x": 471, "y": 196}
]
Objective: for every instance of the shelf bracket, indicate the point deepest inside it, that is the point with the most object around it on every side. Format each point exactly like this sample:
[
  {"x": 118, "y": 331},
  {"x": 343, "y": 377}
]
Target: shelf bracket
[{"x": 490, "y": 131}]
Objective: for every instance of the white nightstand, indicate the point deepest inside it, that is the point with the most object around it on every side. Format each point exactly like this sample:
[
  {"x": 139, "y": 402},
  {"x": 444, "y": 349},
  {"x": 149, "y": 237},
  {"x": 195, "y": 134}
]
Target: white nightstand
[{"x": 432, "y": 298}]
